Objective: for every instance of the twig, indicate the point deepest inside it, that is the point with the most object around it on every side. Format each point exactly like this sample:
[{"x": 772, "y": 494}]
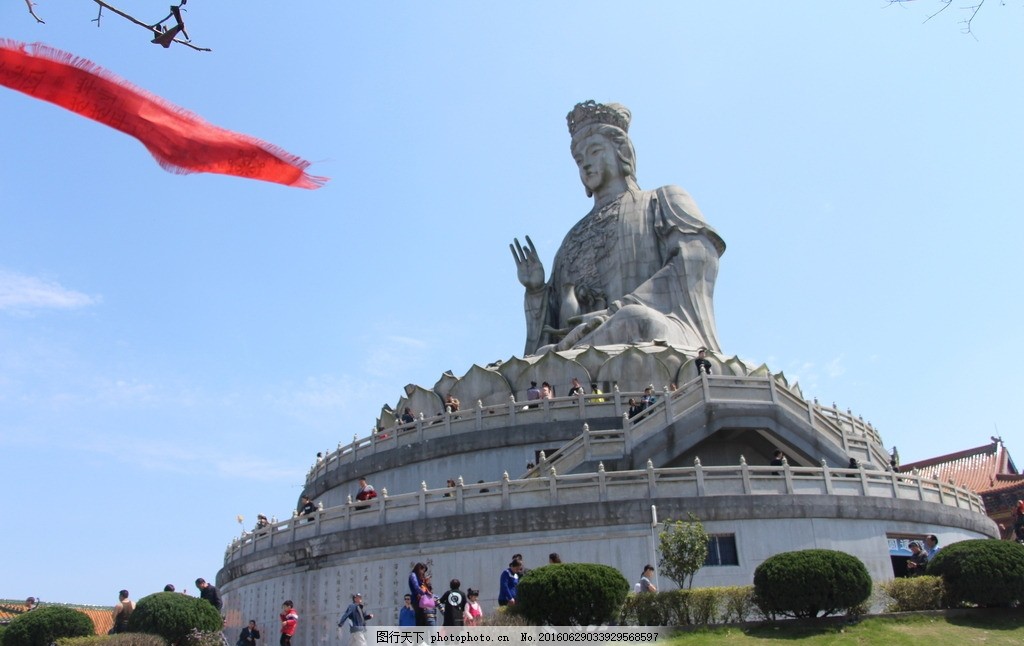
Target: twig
[
  {"x": 149, "y": 28},
  {"x": 32, "y": 12}
]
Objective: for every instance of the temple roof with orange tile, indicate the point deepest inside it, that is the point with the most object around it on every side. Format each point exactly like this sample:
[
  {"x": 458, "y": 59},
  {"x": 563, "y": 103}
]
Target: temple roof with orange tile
[{"x": 985, "y": 469}]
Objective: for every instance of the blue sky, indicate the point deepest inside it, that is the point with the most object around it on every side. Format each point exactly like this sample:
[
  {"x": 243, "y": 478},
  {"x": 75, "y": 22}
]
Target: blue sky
[{"x": 174, "y": 350}]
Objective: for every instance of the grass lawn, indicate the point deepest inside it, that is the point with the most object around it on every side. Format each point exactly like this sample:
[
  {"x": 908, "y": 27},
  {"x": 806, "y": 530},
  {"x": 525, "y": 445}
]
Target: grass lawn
[{"x": 984, "y": 627}]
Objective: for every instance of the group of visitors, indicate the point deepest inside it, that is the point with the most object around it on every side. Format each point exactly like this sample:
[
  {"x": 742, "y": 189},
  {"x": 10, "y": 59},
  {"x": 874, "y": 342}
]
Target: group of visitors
[
  {"x": 422, "y": 606},
  {"x": 921, "y": 555},
  {"x": 637, "y": 406}
]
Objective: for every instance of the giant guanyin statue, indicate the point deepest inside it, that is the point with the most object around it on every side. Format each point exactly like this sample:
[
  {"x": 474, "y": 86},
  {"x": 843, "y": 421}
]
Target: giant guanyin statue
[{"x": 641, "y": 266}]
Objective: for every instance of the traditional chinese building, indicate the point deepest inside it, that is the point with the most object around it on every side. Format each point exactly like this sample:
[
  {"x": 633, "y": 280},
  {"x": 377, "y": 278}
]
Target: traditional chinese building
[{"x": 987, "y": 470}]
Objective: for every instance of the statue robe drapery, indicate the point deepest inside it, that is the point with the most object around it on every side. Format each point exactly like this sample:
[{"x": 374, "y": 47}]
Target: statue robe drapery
[{"x": 650, "y": 258}]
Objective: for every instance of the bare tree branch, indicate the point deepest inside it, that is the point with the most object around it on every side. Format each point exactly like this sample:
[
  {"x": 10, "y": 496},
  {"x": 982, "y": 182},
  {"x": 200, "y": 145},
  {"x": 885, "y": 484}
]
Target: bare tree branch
[
  {"x": 162, "y": 35},
  {"x": 154, "y": 28},
  {"x": 32, "y": 12},
  {"x": 967, "y": 22}
]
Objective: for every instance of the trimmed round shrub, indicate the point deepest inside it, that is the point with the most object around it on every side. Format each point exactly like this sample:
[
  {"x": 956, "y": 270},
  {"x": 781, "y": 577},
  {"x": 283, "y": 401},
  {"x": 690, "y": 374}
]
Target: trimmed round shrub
[
  {"x": 809, "y": 583},
  {"x": 174, "y": 616},
  {"x": 572, "y": 594},
  {"x": 985, "y": 572},
  {"x": 43, "y": 626}
]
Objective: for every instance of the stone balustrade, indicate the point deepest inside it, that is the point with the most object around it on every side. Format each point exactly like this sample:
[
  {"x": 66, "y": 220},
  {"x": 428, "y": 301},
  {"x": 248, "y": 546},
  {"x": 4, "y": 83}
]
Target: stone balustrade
[
  {"x": 601, "y": 486},
  {"x": 851, "y": 433}
]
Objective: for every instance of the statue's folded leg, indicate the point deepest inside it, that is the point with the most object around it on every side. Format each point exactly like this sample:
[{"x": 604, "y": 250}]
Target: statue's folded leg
[{"x": 633, "y": 323}]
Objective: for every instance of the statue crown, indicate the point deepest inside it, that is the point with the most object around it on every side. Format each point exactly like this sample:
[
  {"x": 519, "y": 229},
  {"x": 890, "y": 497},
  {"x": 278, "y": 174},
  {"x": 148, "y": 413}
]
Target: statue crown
[{"x": 590, "y": 112}]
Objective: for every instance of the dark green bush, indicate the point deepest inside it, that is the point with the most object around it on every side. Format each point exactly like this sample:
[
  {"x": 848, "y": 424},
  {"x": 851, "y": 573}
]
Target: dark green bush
[
  {"x": 173, "y": 616},
  {"x": 807, "y": 583},
  {"x": 913, "y": 593},
  {"x": 572, "y": 594},
  {"x": 43, "y": 626},
  {"x": 986, "y": 572}
]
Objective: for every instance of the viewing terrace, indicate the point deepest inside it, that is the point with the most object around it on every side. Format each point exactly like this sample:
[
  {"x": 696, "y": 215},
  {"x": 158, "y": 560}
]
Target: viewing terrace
[
  {"x": 761, "y": 483},
  {"x": 752, "y": 396}
]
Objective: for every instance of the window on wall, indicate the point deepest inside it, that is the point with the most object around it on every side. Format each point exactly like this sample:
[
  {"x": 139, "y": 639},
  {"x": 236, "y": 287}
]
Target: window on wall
[{"x": 722, "y": 550}]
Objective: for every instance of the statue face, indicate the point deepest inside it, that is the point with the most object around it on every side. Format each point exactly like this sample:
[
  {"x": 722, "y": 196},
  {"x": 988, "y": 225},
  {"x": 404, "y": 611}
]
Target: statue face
[{"x": 597, "y": 161}]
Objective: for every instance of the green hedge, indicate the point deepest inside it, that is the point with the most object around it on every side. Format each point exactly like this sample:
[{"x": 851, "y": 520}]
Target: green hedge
[
  {"x": 984, "y": 572},
  {"x": 174, "y": 616},
  {"x": 698, "y": 606},
  {"x": 809, "y": 583},
  {"x": 121, "y": 639},
  {"x": 913, "y": 593},
  {"x": 571, "y": 594},
  {"x": 43, "y": 626}
]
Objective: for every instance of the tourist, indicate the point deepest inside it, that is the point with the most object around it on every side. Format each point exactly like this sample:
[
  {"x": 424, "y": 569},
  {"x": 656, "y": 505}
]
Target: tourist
[
  {"x": 1018, "y": 522},
  {"x": 474, "y": 613},
  {"x": 261, "y": 523},
  {"x": 546, "y": 391},
  {"x": 122, "y": 611},
  {"x": 918, "y": 560},
  {"x": 169, "y": 587},
  {"x": 428, "y": 602},
  {"x": 532, "y": 394},
  {"x": 208, "y": 592},
  {"x": 554, "y": 558},
  {"x": 645, "y": 579},
  {"x": 451, "y": 404},
  {"x": 703, "y": 365},
  {"x": 357, "y": 618},
  {"x": 509, "y": 583},
  {"x": 577, "y": 388},
  {"x": 407, "y": 417},
  {"x": 648, "y": 399},
  {"x": 249, "y": 635},
  {"x": 931, "y": 544},
  {"x": 407, "y": 614},
  {"x": 365, "y": 492},
  {"x": 777, "y": 461},
  {"x": 289, "y": 622},
  {"x": 454, "y": 602},
  {"x": 308, "y": 508},
  {"x": 594, "y": 390},
  {"x": 416, "y": 578},
  {"x": 635, "y": 407}
]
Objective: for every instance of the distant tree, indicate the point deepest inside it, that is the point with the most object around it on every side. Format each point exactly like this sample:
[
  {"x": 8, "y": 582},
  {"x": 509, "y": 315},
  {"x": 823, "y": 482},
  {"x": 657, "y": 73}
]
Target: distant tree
[
  {"x": 684, "y": 548},
  {"x": 163, "y": 31}
]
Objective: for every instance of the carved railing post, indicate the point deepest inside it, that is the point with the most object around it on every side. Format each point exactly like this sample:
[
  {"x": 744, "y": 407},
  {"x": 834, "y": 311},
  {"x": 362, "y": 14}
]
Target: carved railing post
[
  {"x": 423, "y": 499},
  {"x": 826, "y": 473},
  {"x": 745, "y": 475},
  {"x": 504, "y": 491},
  {"x": 553, "y": 485},
  {"x": 698, "y": 471},
  {"x": 512, "y": 410},
  {"x": 670, "y": 413}
]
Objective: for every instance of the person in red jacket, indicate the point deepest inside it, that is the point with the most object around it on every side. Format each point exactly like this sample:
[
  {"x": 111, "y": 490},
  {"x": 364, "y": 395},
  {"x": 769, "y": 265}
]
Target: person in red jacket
[{"x": 289, "y": 621}]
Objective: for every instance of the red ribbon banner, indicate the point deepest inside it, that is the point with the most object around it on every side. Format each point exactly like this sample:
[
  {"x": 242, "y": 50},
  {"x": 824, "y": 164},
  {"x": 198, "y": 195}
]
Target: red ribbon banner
[{"x": 181, "y": 141}]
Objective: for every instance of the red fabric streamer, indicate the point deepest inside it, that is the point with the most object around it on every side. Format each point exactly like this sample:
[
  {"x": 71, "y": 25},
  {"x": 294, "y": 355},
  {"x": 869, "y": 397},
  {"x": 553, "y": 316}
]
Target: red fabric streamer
[{"x": 180, "y": 141}]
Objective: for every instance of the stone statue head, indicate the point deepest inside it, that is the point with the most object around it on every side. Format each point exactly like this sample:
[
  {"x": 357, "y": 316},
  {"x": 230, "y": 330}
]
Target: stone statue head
[{"x": 611, "y": 122}]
